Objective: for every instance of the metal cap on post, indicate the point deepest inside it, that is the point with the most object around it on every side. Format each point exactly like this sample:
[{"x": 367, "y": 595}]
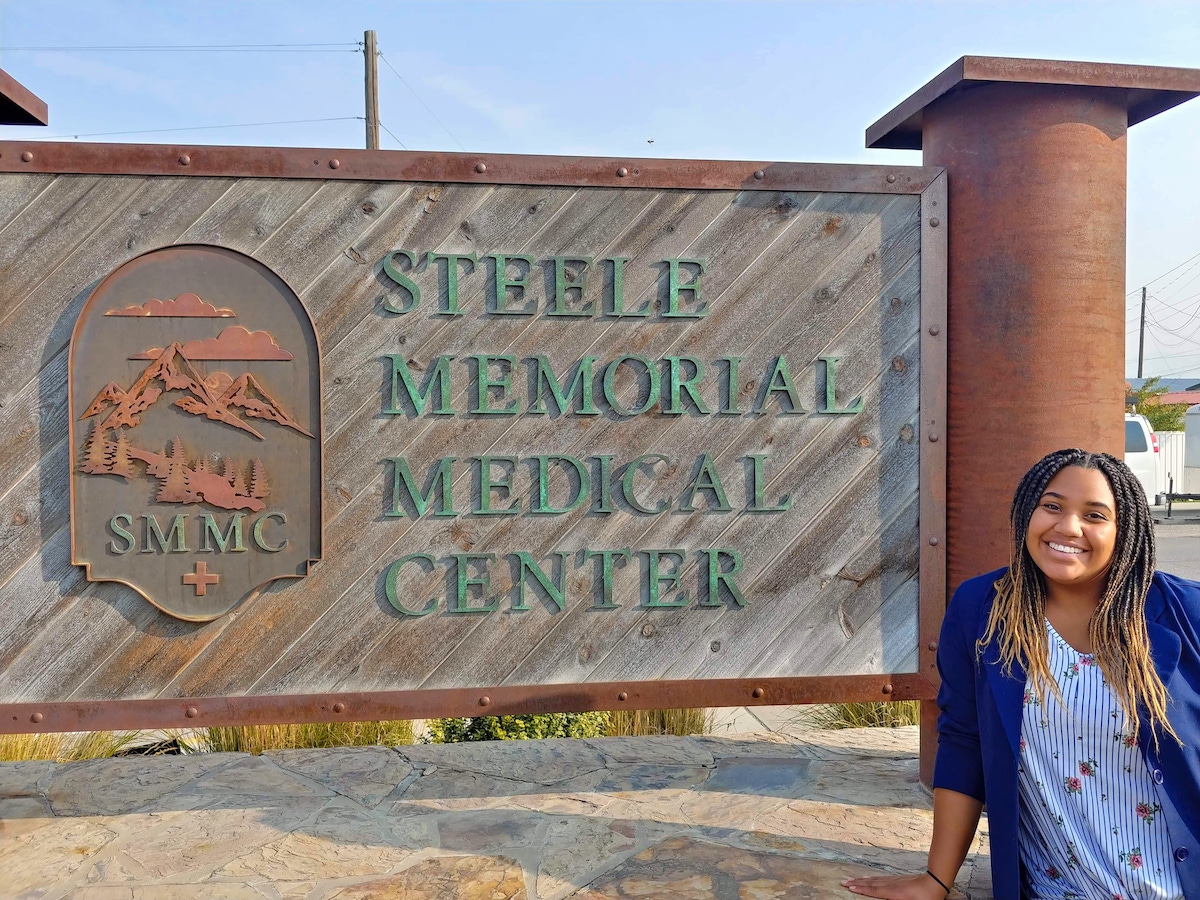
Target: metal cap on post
[
  {"x": 1035, "y": 155},
  {"x": 19, "y": 105}
]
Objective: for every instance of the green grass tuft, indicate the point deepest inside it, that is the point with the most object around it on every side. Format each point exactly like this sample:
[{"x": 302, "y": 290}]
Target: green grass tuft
[
  {"x": 883, "y": 714},
  {"x": 65, "y": 747},
  {"x": 642, "y": 722},
  {"x": 260, "y": 738}
]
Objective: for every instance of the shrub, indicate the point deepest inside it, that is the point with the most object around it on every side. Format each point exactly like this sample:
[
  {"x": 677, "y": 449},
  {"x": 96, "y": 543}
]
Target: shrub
[
  {"x": 517, "y": 728},
  {"x": 569, "y": 725}
]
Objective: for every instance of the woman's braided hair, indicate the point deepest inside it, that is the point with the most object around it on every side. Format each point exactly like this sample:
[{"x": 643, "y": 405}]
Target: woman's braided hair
[{"x": 1120, "y": 643}]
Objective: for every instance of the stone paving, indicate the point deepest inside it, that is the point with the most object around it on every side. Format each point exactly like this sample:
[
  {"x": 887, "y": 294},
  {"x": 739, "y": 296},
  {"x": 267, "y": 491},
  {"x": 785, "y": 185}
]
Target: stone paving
[{"x": 719, "y": 816}]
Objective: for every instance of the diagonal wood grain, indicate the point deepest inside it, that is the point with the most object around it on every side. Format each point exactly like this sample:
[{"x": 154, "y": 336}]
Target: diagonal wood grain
[{"x": 831, "y": 583}]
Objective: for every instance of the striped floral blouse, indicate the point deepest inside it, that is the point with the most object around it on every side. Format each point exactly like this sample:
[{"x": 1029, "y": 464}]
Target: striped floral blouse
[{"x": 1090, "y": 815}]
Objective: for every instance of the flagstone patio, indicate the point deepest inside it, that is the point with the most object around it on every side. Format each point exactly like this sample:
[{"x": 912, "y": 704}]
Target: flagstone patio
[{"x": 720, "y": 816}]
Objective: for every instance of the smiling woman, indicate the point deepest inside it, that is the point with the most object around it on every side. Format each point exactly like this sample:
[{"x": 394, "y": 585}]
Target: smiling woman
[{"x": 1069, "y": 704}]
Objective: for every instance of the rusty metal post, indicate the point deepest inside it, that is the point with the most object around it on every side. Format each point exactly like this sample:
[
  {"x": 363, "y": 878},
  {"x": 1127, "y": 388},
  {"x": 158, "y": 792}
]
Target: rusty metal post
[{"x": 1035, "y": 154}]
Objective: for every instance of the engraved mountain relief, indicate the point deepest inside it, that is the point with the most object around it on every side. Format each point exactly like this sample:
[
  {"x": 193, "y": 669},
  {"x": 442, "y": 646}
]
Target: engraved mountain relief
[
  {"x": 196, "y": 473},
  {"x": 109, "y": 449}
]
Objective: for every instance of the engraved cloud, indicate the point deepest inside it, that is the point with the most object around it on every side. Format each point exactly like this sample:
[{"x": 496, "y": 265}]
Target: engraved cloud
[
  {"x": 234, "y": 342},
  {"x": 183, "y": 306}
]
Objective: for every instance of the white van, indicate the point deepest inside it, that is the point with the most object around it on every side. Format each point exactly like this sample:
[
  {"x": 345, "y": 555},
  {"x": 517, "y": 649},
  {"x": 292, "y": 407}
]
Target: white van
[{"x": 1141, "y": 445}]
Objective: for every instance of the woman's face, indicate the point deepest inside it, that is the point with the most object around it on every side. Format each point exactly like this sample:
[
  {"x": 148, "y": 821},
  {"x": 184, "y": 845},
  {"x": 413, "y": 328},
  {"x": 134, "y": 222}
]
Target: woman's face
[{"x": 1073, "y": 531}]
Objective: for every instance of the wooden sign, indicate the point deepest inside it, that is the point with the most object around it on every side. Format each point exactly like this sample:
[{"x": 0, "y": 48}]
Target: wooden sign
[{"x": 572, "y": 439}]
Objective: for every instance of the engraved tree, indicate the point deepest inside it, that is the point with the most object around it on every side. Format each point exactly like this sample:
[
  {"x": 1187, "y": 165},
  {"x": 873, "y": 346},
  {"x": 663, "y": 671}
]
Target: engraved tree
[
  {"x": 97, "y": 453},
  {"x": 236, "y": 478},
  {"x": 258, "y": 480},
  {"x": 174, "y": 487},
  {"x": 94, "y": 453},
  {"x": 121, "y": 463}
]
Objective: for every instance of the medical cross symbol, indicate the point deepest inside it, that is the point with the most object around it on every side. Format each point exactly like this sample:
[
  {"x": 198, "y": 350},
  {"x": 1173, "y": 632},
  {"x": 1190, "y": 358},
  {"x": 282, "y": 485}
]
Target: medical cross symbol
[{"x": 200, "y": 579}]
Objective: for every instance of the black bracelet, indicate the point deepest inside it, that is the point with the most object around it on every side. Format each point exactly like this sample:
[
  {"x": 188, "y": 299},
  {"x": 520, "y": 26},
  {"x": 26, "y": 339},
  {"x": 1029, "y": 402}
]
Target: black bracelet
[{"x": 939, "y": 881}]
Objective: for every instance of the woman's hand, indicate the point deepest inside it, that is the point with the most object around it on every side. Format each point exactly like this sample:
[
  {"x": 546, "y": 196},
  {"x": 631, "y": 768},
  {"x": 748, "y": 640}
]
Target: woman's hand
[{"x": 897, "y": 887}]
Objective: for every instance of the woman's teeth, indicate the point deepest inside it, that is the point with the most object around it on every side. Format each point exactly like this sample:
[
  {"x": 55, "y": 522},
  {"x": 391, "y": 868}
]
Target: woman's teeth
[{"x": 1063, "y": 548}]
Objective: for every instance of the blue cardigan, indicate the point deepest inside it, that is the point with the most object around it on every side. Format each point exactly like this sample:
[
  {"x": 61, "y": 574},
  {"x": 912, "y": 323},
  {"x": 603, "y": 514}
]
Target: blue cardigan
[{"x": 980, "y": 723}]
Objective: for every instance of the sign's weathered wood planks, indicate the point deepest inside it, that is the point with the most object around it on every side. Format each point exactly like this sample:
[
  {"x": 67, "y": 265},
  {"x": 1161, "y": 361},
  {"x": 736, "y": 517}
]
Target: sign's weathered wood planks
[{"x": 754, "y": 370}]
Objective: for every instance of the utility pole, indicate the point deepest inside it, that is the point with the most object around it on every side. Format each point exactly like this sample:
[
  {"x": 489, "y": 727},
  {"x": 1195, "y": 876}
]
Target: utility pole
[
  {"x": 371, "y": 61},
  {"x": 1141, "y": 329}
]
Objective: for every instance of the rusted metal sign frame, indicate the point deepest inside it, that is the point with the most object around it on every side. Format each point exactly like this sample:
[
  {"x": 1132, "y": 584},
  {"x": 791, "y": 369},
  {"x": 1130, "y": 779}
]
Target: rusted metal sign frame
[{"x": 374, "y": 165}]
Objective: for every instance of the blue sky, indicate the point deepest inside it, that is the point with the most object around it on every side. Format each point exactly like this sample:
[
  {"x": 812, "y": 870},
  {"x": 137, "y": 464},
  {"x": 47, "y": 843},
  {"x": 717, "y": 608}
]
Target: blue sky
[{"x": 749, "y": 80}]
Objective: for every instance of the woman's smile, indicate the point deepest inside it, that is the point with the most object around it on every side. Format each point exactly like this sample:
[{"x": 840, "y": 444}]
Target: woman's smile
[{"x": 1063, "y": 548}]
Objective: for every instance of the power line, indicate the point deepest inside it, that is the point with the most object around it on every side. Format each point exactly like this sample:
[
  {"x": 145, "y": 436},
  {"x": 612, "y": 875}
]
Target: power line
[
  {"x": 1180, "y": 373},
  {"x": 394, "y": 138},
  {"x": 1184, "y": 285},
  {"x": 422, "y": 102},
  {"x": 1168, "y": 272},
  {"x": 1172, "y": 306},
  {"x": 209, "y": 127},
  {"x": 1166, "y": 356},
  {"x": 354, "y": 47},
  {"x": 1174, "y": 329}
]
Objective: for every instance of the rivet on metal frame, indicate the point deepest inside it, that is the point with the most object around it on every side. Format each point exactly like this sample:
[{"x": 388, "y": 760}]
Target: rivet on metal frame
[
  {"x": 622, "y": 696},
  {"x": 36, "y": 718},
  {"x": 935, "y": 330},
  {"x": 480, "y": 167},
  {"x": 887, "y": 688},
  {"x": 191, "y": 712},
  {"x": 27, "y": 156},
  {"x": 933, "y": 438},
  {"x": 339, "y": 707},
  {"x": 485, "y": 701},
  {"x": 891, "y": 179},
  {"x": 335, "y": 163},
  {"x": 760, "y": 174},
  {"x": 185, "y": 160},
  {"x": 933, "y": 541},
  {"x": 935, "y": 222},
  {"x": 622, "y": 172},
  {"x": 758, "y": 693},
  {"x": 932, "y": 645}
]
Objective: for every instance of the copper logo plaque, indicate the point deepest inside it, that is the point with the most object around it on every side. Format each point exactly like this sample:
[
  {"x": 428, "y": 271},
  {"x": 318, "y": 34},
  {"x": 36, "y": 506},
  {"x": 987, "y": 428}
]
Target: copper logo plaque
[{"x": 195, "y": 394}]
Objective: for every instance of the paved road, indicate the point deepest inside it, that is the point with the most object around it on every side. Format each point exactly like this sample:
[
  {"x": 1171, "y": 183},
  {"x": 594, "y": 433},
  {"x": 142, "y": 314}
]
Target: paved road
[{"x": 1179, "y": 549}]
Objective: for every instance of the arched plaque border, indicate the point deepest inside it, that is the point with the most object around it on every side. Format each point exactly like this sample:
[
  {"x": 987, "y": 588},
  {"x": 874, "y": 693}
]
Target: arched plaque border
[{"x": 315, "y": 510}]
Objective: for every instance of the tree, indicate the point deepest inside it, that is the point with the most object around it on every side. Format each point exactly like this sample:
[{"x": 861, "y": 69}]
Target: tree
[
  {"x": 258, "y": 480},
  {"x": 1147, "y": 401},
  {"x": 174, "y": 485},
  {"x": 95, "y": 452},
  {"x": 233, "y": 474},
  {"x": 121, "y": 464}
]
